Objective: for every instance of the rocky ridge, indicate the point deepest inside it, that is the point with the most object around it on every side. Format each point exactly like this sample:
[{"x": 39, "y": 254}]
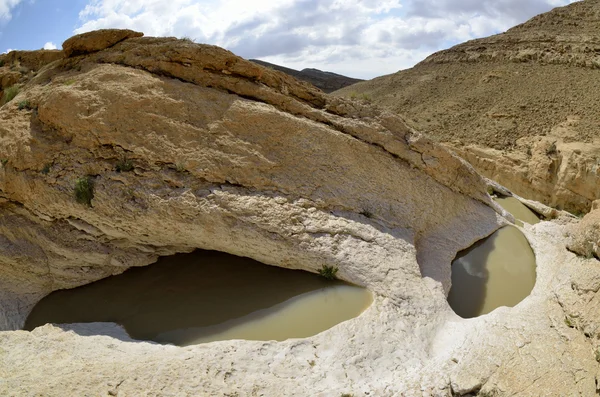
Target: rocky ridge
[
  {"x": 326, "y": 81},
  {"x": 521, "y": 106},
  {"x": 153, "y": 146}
]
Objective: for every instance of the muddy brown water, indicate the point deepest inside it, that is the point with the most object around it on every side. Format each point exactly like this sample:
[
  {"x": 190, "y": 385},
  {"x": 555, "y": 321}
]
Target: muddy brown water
[
  {"x": 518, "y": 210},
  {"x": 497, "y": 271},
  {"x": 207, "y": 296}
]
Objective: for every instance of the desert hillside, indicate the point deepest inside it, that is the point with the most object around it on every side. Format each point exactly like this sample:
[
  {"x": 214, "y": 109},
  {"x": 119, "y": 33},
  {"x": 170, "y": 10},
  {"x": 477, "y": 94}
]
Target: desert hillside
[
  {"x": 521, "y": 106},
  {"x": 326, "y": 81}
]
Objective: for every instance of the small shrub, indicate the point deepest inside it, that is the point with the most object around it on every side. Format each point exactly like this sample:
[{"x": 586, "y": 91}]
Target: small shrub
[
  {"x": 70, "y": 82},
  {"x": 187, "y": 39},
  {"x": 46, "y": 169},
  {"x": 1, "y": 62},
  {"x": 4, "y": 162},
  {"x": 25, "y": 105},
  {"x": 10, "y": 93},
  {"x": 569, "y": 322},
  {"x": 180, "y": 167},
  {"x": 366, "y": 98},
  {"x": 598, "y": 356},
  {"x": 551, "y": 150},
  {"x": 329, "y": 272},
  {"x": 84, "y": 190},
  {"x": 124, "y": 165},
  {"x": 490, "y": 393}
]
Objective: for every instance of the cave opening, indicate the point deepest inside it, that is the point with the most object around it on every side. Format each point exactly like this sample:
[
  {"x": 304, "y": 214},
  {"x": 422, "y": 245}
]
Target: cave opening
[{"x": 206, "y": 296}]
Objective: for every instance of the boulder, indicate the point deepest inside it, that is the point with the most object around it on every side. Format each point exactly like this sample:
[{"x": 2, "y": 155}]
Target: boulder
[
  {"x": 585, "y": 236},
  {"x": 97, "y": 40}
]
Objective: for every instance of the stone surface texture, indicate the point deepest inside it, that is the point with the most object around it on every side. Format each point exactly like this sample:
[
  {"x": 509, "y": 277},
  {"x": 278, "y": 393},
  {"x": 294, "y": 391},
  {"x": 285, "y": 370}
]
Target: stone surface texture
[
  {"x": 230, "y": 156},
  {"x": 521, "y": 106},
  {"x": 96, "y": 40},
  {"x": 585, "y": 236}
]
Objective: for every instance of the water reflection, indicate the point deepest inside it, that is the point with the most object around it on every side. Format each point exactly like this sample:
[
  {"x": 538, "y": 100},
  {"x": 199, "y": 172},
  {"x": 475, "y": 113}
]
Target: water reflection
[
  {"x": 496, "y": 271},
  {"x": 205, "y": 296}
]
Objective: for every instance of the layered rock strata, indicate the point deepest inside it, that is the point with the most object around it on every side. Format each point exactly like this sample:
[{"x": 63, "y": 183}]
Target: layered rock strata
[
  {"x": 521, "y": 106},
  {"x": 153, "y": 146}
]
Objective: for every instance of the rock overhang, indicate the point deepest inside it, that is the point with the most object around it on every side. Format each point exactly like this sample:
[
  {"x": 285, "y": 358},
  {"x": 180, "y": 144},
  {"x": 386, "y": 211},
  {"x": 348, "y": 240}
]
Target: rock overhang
[{"x": 215, "y": 145}]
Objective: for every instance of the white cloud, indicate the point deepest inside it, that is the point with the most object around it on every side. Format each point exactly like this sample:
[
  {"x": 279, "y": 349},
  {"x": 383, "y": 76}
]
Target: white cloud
[
  {"x": 8, "y": 50},
  {"x": 360, "y": 38},
  {"x": 5, "y": 8},
  {"x": 50, "y": 46}
]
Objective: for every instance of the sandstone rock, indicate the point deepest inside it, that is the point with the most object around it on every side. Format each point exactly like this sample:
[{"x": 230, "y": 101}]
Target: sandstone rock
[
  {"x": 97, "y": 40},
  {"x": 233, "y": 157},
  {"x": 30, "y": 60},
  {"x": 585, "y": 236},
  {"x": 546, "y": 169},
  {"x": 8, "y": 78}
]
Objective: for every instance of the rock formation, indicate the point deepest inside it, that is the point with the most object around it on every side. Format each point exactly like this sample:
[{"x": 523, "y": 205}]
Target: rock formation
[
  {"x": 520, "y": 106},
  {"x": 153, "y": 146}
]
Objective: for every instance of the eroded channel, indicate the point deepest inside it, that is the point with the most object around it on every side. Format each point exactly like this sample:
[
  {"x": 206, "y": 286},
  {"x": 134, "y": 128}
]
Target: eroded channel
[
  {"x": 207, "y": 296},
  {"x": 518, "y": 210}
]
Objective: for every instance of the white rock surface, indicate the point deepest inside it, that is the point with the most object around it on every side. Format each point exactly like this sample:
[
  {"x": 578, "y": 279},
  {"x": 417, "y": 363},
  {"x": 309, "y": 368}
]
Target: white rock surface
[{"x": 262, "y": 166}]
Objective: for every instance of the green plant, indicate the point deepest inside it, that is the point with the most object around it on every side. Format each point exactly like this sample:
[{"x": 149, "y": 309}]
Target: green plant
[
  {"x": 180, "y": 167},
  {"x": 329, "y": 272},
  {"x": 70, "y": 82},
  {"x": 551, "y": 150},
  {"x": 346, "y": 395},
  {"x": 124, "y": 165},
  {"x": 25, "y": 105},
  {"x": 46, "y": 168},
  {"x": 598, "y": 356},
  {"x": 489, "y": 393},
  {"x": 4, "y": 162},
  {"x": 366, "y": 97},
  {"x": 187, "y": 39},
  {"x": 10, "y": 93},
  {"x": 569, "y": 322},
  {"x": 84, "y": 190}
]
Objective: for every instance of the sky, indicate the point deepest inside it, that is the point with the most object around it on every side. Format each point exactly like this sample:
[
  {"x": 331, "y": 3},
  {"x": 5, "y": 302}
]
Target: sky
[{"x": 356, "y": 38}]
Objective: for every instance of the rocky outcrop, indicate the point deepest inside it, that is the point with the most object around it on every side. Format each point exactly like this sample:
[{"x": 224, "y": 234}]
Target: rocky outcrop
[
  {"x": 585, "y": 236},
  {"x": 564, "y": 175},
  {"x": 499, "y": 99},
  {"x": 154, "y": 146},
  {"x": 97, "y": 40}
]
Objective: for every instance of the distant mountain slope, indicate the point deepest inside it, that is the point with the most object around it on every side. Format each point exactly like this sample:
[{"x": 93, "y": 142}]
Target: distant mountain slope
[
  {"x": 522, "y": 106},
  {"x": 326, "y": 81}
]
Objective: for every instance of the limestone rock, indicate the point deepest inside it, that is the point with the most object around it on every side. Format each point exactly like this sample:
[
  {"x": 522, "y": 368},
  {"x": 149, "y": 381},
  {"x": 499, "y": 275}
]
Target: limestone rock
[
  {"x": 97, "y": 40},
  {"x": 585, "y": 236},
  {"x": 227, "y": 155},
  {"x": 564, "y": 175}
]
